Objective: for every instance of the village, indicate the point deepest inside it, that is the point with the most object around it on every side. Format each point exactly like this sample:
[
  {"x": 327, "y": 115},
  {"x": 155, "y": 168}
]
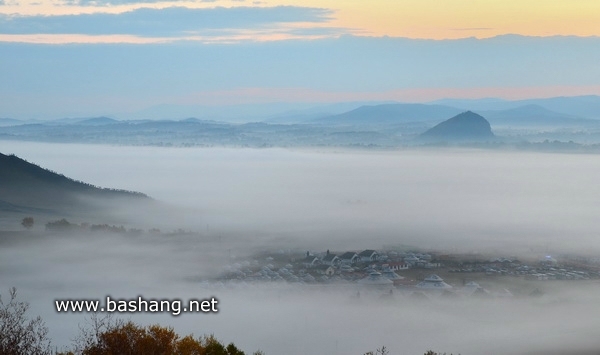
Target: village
[{"x": 419, "y": 274}]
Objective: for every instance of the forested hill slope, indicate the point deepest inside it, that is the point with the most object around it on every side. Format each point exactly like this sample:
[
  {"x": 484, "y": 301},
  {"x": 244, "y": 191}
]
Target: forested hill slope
[{"x": 26, "y": 186}]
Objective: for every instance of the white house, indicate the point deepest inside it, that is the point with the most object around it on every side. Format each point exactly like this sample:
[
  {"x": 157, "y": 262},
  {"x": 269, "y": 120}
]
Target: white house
[
  {"x": 368, "y": 255},
  {"x": 395, "y": 266},
  {"x": 349, "y": 258},
  {"x": 311, "y": 261},
  {"x": 331, "y": 259}
]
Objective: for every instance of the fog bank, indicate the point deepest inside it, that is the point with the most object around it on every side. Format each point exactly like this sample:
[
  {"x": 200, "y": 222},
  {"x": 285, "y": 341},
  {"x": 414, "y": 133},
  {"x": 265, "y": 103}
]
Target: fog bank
[{"x": 238, "y": 202}]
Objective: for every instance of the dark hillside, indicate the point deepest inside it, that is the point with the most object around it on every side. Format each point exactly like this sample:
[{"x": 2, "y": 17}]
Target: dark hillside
[{"x": 25, "y": 186}]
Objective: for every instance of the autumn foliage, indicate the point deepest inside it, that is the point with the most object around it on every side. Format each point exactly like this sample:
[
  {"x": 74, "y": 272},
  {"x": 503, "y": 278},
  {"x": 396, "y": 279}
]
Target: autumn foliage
[{"x": 132, "y": 339}]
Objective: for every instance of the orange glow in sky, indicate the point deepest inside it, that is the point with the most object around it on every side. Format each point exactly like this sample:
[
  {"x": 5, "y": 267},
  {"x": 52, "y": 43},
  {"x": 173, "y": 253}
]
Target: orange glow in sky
[
  {"x": 440, "y": 19},
  {"x": 433, "y": 19}
]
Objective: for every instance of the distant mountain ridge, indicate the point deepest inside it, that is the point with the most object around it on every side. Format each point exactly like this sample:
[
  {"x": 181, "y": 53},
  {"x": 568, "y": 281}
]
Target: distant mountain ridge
[
  {"x": 97, "y": 121},
  {"x": 523, "y": 115},
  {"x": 534, "y": 115},
  {"x": 377, "y": 124},
  {"x": 467, "y": 126},
  {"x": 9, "y": 122},
  {"x": 390, "y": 114},
  {"x": 587, "y": 106}
]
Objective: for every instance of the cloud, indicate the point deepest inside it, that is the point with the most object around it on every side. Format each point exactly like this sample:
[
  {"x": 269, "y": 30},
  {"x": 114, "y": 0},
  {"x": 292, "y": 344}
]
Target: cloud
[
  {"x": 321, "y": 31},
  {"x": 167, "y": 22},
  {"x": 122, "y": 2}
]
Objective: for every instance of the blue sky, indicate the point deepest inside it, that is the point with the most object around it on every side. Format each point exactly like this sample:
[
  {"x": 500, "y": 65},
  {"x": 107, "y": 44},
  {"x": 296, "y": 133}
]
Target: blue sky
[
  {"x": 91, "y": 79},
  {"x": 89, "y": 58}
]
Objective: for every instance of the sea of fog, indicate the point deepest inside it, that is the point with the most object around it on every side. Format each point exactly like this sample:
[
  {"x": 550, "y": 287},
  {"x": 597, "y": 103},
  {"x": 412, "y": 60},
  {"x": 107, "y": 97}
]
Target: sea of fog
[{"x": 238, "y": 201}]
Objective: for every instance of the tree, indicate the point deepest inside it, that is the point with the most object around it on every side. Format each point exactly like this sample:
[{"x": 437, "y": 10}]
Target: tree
[
  {"x": 89, "y": 333},
  {"x": 27, "y": 222},
  {"x": 60, "y": 225},
  {"x": 103, "y": 336},
  {"x": 382, "y": 351},
  {"x": 190, "y": 346},
  {"x": 18, "y": 334}
]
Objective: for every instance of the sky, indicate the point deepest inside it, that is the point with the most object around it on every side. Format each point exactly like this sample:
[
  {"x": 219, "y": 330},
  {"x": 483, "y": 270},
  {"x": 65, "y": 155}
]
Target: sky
[
  {"x": 227, "y": 20},
  {"x": 256, "y": 52}
]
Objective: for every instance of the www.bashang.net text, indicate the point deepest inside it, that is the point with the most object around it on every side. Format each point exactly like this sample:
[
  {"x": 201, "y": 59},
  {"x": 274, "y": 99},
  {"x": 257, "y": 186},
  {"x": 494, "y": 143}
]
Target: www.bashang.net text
[{"x": 138, "y": 305}]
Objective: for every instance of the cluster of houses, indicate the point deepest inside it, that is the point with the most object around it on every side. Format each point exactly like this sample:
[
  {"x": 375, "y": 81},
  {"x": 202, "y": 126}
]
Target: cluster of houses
[
  {"x": 351, "y": 261},
  {"x": 368, "y": 267},
  {"x": 381, "y": 271},
  {"x": 545, "y": 269},
  {"x": 367, "y": 271}
]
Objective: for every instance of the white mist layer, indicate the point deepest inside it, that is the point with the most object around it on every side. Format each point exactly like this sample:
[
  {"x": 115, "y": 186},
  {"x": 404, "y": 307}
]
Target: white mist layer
[{"x": 240, "y": 201}]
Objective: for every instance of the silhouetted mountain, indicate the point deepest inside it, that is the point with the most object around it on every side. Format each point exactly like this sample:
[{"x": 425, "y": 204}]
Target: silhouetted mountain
[
  {"x": 27, "y": 187},
  {"x": 467, "y": 126},
  {"x": 390, "y": 114}
]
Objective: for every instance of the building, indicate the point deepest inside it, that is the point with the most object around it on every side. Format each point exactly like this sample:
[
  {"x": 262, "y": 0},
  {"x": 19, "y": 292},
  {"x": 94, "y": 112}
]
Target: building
[
  {"x": 377, "y": 281},
  {"x": 311, "y": 261},
  {"x": 368, "y": 256},
  {"x": 331, "y": 259},
  {"x": 326, "y": 270},
  {"x": 395, "y": 266},
  {"x": 349, "y": 258},
  {"x": 433, "y": 282}
]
